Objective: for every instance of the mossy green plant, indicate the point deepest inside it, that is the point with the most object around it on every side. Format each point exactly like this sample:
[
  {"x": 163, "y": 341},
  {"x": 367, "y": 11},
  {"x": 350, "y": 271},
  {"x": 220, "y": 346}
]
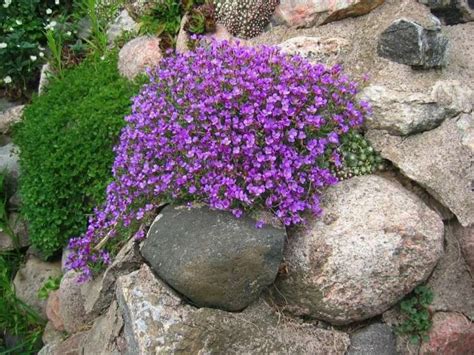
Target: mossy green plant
[
  {"x": 66, "y": 139},
  {"x": 415, "y": 309}
]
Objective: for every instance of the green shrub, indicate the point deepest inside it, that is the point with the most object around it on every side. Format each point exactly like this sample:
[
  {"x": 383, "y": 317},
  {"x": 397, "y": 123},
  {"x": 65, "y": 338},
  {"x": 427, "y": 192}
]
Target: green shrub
[
  {"x": 415, "y": 309},
  {"x": 65, "y": 140}
]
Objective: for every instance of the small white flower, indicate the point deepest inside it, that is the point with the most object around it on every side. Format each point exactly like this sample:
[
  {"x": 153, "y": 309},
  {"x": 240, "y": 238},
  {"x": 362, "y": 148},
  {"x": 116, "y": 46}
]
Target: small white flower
[
  {"x": 11, "y": 29},
  {"x": 7, "y": 79},
  {"x": 18, "y": 22},
  {"x": 56, "y": 2},
  {"x": 7, "y": 3},
  {"x": 49, "y": 11},
  {"x": 68, "y": 33},
  {"x": 3, "y": 45},
  {"x": 102, "y": 58},
  {"x": 33, "y": 58},
  {"x": 53, "y": 23},
  {"x": 41, "y": 54}
]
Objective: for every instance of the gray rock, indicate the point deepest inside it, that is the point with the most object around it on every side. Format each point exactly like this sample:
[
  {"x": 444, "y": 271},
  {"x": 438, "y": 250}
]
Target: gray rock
[
  {"x": 439, "y": 160},
  {"x": 9, "y": 117},
  {"x": 19, "y": 229},
  {"x": 375, "y": 242},
  {"x": 70, "y": 346},
  {"x": 138, "y": 55},
  {"x": 30, "y": 278},
  {"x": 10, "y": 167},
  {"x": 407, "y": 42},
  {"x": 104, "y": 336},
  {"x": 99, "y": 293},
  {"x": 402, "y": 113},
  {"x": 51, "y": 335},
  {"x": 44, "y": 78},
  {"x": 139, "y": 8},
  {"x": 452, "y": 11},
  {"x": 157, "y": 321},
  {"x": 123, "y": 23},
  {"x": 376, "y": 339},
  {"x": 466, "y": 240},
  {"x": 315, "y": 49},
  {"x": 213, "y": 258},
  {"x": 451, "y": 282}
]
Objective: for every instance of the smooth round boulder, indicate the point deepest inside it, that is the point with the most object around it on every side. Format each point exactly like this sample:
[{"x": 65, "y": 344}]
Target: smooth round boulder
[
  {"x": 212, "y": 258},
  {"x": 138, "y": 55},
  {"x": 374, "y": 243}
]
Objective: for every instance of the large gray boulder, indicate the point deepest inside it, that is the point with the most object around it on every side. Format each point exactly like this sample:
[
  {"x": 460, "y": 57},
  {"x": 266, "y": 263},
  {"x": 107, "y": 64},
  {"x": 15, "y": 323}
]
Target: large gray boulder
[
  {"x": 213, "y": 258},
  {"x": 157, "y": 321},
  {"x": 31, "y": 277},
  {"x": 402, "y": 113},
  {"x": 375, "y": 242},
  {"x": 407, "y": 42},
  {"x": 439, "y": 160}
]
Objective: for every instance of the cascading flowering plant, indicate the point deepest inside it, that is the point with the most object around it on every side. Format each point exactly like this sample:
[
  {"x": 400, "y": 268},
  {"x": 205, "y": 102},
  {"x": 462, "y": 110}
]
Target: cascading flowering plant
[{"x": 231, "y": 126}]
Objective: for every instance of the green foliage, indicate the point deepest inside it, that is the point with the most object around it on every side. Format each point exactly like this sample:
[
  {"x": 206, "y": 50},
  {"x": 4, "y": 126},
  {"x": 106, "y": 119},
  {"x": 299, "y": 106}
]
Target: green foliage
[
  {"x": 98, "y": 36},
  {"x": 164, "y": 19},
  {"x": 358, "y": 157},
  {"x": 415, "y": 309},
  {"x": 22, "y": 41},
  {"x": 51, "y": 284},
  {"x": 65, "y": 140},
  {"x": 16, "y": 317}
]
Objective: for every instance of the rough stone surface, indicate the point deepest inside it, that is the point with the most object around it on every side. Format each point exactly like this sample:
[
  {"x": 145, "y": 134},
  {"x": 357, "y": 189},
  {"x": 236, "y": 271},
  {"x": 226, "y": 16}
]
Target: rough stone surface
[
  {"x": 139, "y": 54},
  {"x": 104, "y": 336},
  {"x": 439, "y": 160},
  {"x": 376, "y": 339},
  {"x": 9, "y": 165},
  {"x": 123, "y": 23},
  {"x": 451, "y": 334},
  {"x": 52, "y": 311},
  {"x": 407, "y": 42},
  {"x": 362, "y": 33},
  {"x": 213, "y": 258},
  {"x": 51, "y": 335},
  {"x": 71, "y": 304},
  {"x": 453, "y": 94},
  {"x": 98, "y": 293},
  {"x": 451, "y": 282},
  {"x": 307, "y": 13},
  {"x": 452, "y": 11},
  {"x": 466, "y": 239},
  {"x": 9, "y": 117},
  {"x": 374, "y": 244},
  {"x": 318, "y": 50},
  {"x": 31, "y": 277},
  {"x": 400, "y": 113},
  {"x": 157, "y": 321},
  {"x": 19, "y": 228},
  {"x": 44, "y": 78},
  {"x": 183, "y": 38},
  {"x": 70, "y": 346}
]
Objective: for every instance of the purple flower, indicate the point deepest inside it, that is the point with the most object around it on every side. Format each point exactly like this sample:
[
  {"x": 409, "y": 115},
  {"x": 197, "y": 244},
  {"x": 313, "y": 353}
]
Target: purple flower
[{"x": 234, "y": 127}]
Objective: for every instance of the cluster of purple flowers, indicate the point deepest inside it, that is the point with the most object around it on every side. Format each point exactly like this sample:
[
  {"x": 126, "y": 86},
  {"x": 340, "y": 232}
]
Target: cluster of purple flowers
[{"x": 231, "y": 126}]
